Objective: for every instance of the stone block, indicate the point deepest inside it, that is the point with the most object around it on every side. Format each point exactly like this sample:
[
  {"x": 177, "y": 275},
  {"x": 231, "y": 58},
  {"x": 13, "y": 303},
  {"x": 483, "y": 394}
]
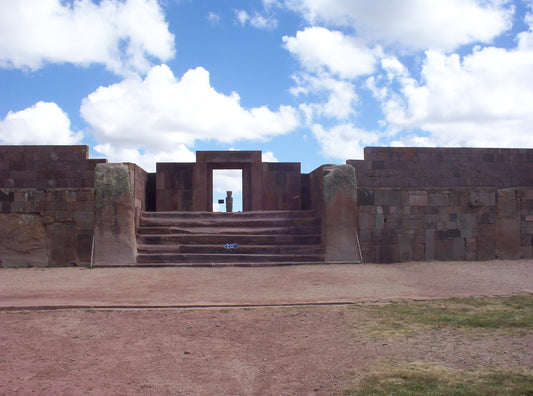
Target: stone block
[
  {"x": 449, "y": 234},
  {"x": 340, "y": 214},
  {"x": 430, "y": 221},
  {"x": 406, "y": 244},
  {"x": 435, "y": 199},
  {"x": 459, "y": 249},
  {"x": 84, "y": 239},
  {"x": 485, "y": 241},
  {"x": 23, "y": 240},
  {"x": 388, "y": 197},
  {"x": 507, "y": 238},
  {"x": 115, "y": 242},
  {"x": 444, "y": 249},
  {"x": 366, "y": 221},
  {"x": 365, "y": 197},
  {"x": 62, "y": 245},
  {"x": 467, "y": 224},
  {"x": 506, "y": 203},
  {"x": 526, "y": 252},
  {"x": 418, "y": 199}
]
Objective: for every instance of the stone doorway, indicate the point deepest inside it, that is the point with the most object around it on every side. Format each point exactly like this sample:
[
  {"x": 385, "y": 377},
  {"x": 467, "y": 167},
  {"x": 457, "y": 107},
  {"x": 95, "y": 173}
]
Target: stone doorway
[
  {"x": 225, "y": 180},
  {"x": 250, "y": 164}
]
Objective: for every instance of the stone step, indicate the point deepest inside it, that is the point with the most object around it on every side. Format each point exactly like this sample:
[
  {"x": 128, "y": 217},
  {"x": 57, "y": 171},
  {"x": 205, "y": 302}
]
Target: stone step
[
  {"x": 222, "y": 239},
  {"x": 229, "y": 222},
  {"x": 241, "y": 249},
  {"x": 230, "y": 216},
  {"x": 188, "y": 258},
  {"x": 198, "y": 238},
  {"x": 258, "y": 230}
]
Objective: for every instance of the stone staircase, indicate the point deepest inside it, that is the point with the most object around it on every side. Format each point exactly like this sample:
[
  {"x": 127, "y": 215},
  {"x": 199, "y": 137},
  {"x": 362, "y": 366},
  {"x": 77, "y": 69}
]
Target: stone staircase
[{"x": 229, "y": 239}]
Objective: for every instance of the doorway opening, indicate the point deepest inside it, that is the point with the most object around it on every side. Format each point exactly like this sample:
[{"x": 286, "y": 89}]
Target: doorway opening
[{"x": 225, "y": 180}]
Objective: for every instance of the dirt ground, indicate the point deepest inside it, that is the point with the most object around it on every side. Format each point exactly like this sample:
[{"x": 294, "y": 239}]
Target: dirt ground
[{"x": 202, "y": 331}]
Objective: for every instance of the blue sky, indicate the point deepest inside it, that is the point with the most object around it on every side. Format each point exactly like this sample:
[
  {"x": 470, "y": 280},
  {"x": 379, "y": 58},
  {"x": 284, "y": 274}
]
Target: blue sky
[{"x": 310, "y": 81}]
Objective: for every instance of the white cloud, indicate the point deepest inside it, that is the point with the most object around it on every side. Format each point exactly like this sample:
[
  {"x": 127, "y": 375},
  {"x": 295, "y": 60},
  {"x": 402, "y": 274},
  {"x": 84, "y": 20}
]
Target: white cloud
[
  {"x": 269, "y": 157},
  {"x": 213, "y": 18},
  {"x": 256, "y": 20},
  {"x": 319, "y": 49},
  {"x": 159, "y": 113},
  {"x": 337, "y": 96},
  {"x": 145, "y": 159},
  {"x": 344, "y": 141},
  {"x": 42, "y": 123},
  {"x": 483, "y": 99},
  {"x": 123, "y": 35},
  {"x": 330, "y": 59},
  {"x": 227, "y": 180},
  {"x": 442, "y": 24}
]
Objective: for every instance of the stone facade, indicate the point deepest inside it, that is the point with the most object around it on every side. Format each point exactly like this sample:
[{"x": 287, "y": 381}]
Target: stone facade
[
  {"x": 46, "y": 205},
  {"x": 403, "y": 203},
  {"x": 445, "y": 204}
]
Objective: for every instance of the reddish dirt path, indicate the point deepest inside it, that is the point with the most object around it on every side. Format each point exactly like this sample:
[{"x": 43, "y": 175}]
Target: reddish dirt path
[
  {"x": 233, "y": 351},
  {"x": 114, "y": 287}
]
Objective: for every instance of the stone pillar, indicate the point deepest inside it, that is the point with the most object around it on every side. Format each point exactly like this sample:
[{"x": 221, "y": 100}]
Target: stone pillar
[
  {"x": 114, "y": 229},
  {"x": 340, "y": 214}
]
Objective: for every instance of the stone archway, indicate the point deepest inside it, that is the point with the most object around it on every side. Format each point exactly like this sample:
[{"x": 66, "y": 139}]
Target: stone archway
[{"x": 252, "y": 177}]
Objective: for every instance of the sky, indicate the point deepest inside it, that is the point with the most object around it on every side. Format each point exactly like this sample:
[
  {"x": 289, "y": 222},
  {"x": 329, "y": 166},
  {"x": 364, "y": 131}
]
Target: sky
[{"x": 309, "y": 81}]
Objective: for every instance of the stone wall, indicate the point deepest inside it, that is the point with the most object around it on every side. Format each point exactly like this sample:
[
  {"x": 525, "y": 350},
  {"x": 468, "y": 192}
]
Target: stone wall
[
  {"x": 282, "y": 189},
  {"x": 46, "y": 167},
  {"x": 143, "y": 189},
  {"x": 445, "y": 204},
  {"x": 47, "y": 205},
  {"x": 174, "y": 186},
  {"x": 46, "y": 227},
  {"x": 401, "y": 224},
  {"x": 444, "y": 167}
]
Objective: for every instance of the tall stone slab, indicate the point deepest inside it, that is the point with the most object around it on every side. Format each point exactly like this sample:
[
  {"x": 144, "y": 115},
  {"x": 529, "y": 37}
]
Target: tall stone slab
[
  {"x": 114, "y": 229},
  {"x": 340, "y": 214},
  {"x": 507, "y": 231}
]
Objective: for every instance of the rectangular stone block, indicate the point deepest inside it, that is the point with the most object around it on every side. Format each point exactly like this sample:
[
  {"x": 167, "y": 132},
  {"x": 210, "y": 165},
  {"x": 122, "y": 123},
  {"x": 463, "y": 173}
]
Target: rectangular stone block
[
  {"x": 366, "y": 221},
  {"x": 388, "y": 197},
  {"x": 506, "y": 203},
  {"x": 406, "y": 243},
  {"x": 430, "y": 245},
  {"x": 365, "y": 197},
  {"x": 459, "y": 249},
  {"x": 437, "y": 199},
  {"x": 444, "y": 249}
]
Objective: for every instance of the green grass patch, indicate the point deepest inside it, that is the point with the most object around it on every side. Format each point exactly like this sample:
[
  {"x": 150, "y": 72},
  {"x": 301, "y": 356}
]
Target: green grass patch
[
  {"x": 505, "y": 313},
  {"x": 431, "y": 379}
]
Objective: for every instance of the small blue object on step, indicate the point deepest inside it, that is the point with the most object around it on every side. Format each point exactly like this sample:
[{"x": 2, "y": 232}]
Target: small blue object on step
[{"x": 231, "y": 246}]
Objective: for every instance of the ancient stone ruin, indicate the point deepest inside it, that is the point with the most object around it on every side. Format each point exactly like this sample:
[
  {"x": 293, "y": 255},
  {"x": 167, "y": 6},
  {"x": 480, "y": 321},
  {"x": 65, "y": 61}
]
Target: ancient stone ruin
[{"x": 60, "y": 208}]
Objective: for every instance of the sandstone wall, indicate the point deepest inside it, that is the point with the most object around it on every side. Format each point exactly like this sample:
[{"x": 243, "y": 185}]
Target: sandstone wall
[
  {"x": 445, "y": 204},
  {"x": 46, "y": 167},
  {"x": 174, "y": 186},
  {"x": 282, "y": 189},
  {"x": 46, "y": 227},
  {"x": 444, "y": 167}
]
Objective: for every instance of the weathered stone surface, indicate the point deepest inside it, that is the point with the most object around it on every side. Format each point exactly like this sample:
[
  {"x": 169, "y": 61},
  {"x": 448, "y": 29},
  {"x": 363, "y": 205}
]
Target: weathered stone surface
[
  {"x": 507, "y": 235},
  {"x": 340, "y": 214},
  {"x": 62, "y": 248},
  {"x": 23, "y": 241},
  {"x": 115, "y": 216}
]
